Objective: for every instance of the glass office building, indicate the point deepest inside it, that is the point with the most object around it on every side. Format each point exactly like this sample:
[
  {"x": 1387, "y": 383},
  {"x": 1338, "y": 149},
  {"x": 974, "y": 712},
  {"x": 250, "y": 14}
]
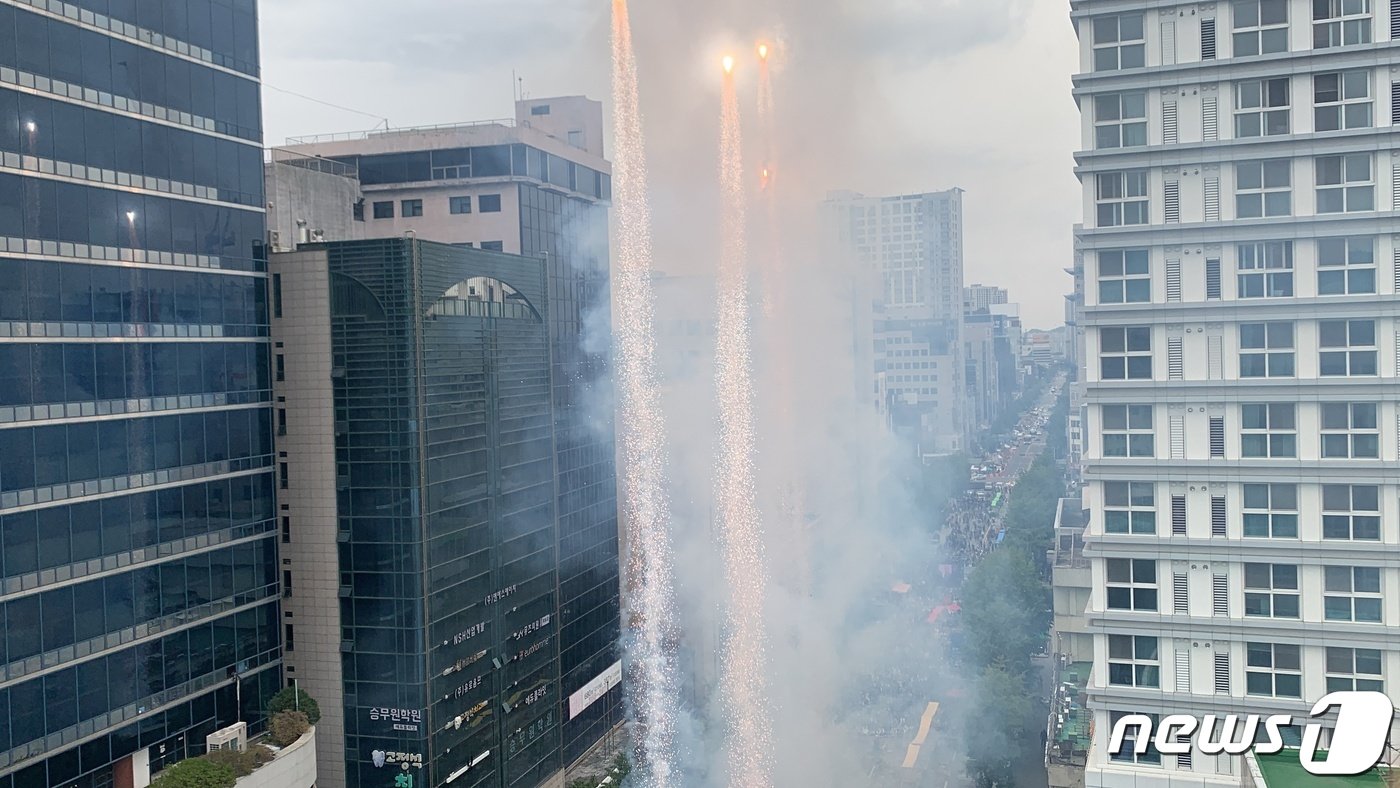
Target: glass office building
[
  {"x": 444, "y": 474},
  {"x": 139, "y": 588},
  {"x": 521, "y": 188}
]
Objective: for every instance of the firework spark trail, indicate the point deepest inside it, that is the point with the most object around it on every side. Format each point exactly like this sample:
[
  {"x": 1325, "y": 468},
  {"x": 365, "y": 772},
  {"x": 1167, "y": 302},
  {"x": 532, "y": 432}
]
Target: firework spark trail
[
  {"x": 778, "y": 330},
  {"x": 646, "y": 509},
  {"x": 743, "y": 667}
]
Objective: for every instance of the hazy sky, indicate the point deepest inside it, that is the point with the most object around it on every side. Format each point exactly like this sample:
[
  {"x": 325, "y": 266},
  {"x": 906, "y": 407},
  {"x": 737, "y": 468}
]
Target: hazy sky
[{"x": 877, "y": 96}]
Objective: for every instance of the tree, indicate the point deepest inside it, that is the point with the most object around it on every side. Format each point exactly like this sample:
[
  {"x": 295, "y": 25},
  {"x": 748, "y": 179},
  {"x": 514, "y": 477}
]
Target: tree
[
  {"x": 196, "y": 773},
  {"x": 1003, "y": 730},
  {"x": 1003, "y": 610},
  {"x": 288, "y": 726},
  {"x": 292, "y": 699}
]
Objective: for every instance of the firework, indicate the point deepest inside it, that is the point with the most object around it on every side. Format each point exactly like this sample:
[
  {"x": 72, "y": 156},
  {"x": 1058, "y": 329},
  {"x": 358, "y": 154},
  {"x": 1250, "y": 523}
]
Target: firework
[
  {"x": 641, "y": 430},
  {"x": 743, "y": 665}
]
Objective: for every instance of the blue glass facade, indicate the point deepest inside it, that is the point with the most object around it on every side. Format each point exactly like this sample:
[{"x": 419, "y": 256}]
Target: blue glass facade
[
  {"x": 445, "y": 455},
  {"x": 138, "y": 568}
]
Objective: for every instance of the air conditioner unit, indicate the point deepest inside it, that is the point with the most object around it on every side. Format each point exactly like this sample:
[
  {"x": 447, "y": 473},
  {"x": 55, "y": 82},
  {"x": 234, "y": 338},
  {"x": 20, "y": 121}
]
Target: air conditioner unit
[{"x": 234, "y": 737}]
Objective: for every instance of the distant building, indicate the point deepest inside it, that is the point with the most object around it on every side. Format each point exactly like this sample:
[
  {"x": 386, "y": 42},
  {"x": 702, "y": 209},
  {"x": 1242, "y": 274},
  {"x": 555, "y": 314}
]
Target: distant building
[
  {"x": 992, "y": 373},
  {"x": 905, "y": 254},
  {"x": 979, "y": 297},
  {"x": 536, "y": 186}
]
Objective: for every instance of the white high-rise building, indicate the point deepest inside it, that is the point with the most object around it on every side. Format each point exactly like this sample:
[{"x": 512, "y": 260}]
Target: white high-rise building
[
  {"x": 979, "y": 297},
  {"x": 907, "y": 256},
  {"x": 1240, "y": 315}
]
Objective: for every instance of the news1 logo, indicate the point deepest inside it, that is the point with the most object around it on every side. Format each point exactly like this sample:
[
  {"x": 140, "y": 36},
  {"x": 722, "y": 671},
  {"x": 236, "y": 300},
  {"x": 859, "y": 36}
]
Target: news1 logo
[{"x": 1358, "y": 739}]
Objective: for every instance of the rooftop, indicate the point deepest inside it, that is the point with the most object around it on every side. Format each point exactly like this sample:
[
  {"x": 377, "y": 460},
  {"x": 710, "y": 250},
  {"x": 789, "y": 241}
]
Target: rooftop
[{"x": 1284, "y": 770}]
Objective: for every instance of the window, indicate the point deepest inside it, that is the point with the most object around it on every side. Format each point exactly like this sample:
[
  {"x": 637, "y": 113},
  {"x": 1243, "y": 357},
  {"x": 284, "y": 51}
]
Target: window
[
  {"x": 1266, "y": 350},
  {"x": 1128, "y": 752},
  {"x": 1132, "y": 584},
  {"x": 1271, "y": 511},
  {"x": 384, "y": 210},
  {"x": 1271, "y": 590},
  {"x": 289, "y": 641},
  {"x": 1133, "y": 661},
  {"x": 489, "y": 203},
  {"x": 280, "y": 365},
  {"x": 276, "y": 295},
  {"x": 286, "y": 530},
  {"x": 1261, "y": 107},
  {"x": 1120, "y": 120},
  {"x": 493, "y": 246},
  {"x": 1341, "y": 22},
  {"x": 1125, "y": 353},
  {"x": 283, "y": 477},
  {"x": 1346, "y": 266},
  {"x": 1124, "y": 277},
  {"x": 1269, "y": 430},
  {"x": 1354, "y": 669},
  {"x": 1351, "y": 511},
  {"x": 1273, "y": 669},
  {"x": 412, "y": 208},
  {"x": 459, "y": 205},
  {"x": 542, "y": 109},
  {"x": 357, "y": 210},
  {"x": 1122, "y": 198},
  {"x": 1342, "y": 101},
  {"x": 1345, "y": 184},
  {"x": 1261, "y": 27},
  {"x": 1118, "y": 42},
  {"x": 1129, "y": 508},
  {"x": 1127, "y": 431},
  {"x": 1348, "y": 347},
  {"x": 1350, "y": 431},
  {"x": 1265, "y": 269},
  {"x": 1263, "y": 188},
  {"x": 1352, "y": 593}
]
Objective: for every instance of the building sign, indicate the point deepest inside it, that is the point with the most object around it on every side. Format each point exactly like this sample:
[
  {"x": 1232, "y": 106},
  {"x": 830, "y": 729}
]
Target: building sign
[
  {"x": 409, "y": 720},
  {"x": 530, "y": 628},
  {"x": 403, "y": 760},
  {"x": 595, "y": 689}
]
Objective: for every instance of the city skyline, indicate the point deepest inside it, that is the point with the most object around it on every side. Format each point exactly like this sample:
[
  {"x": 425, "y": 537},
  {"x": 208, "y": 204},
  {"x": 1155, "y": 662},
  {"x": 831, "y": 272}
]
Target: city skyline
[{"x": 1016, "y": 237}]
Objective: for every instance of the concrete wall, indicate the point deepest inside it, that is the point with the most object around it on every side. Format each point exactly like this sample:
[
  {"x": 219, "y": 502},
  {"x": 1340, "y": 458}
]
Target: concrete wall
[
  {"x": 302, "y": 336},
  {"x": 294, "y": 767},
  {"x": 301, "y": 197}
]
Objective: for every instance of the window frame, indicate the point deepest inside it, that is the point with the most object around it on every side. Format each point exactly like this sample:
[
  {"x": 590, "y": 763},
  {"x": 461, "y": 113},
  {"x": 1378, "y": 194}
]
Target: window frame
[
  {"x": 1355, "y": 194},
  {"x": 1272, "y": 198},
  {"x": 1253, "y": 99},
  {"x": 1137, "y": 433},
  {"x": 1351, "y": 585},
  {"x": 1142, "y": 594},
  {"x": 455, "y": 204},
  {"x": 1279, "y": 441},
  {"x": 1141, "y": 655},
  {"x": 383, "y": 209},
  {"x": 1120, "y": 123},
  {"x": 1336, "y": 107},
  {"x": 1354, "y": 276},
  {"x": 1267, "y": 592},
  {"x": 1136, "y": 47},
  {"x": 1359, "y": 435},
  {"x": 1339, "y": 25},
  {"x": 1126, "y": 502},
  {"x": 1358, "y": 517},
  {"x": 1129, "y": 202},
  {"x": 1264, "y": 269},
  {"x": 1127, "y": 270},
  {"x": 1281, "y": 356},
  {"x": 1125, "y": 348},
  {"x": 1256, "y": 666},
  {"x": 1272, "y": 33},
  {"x": 1351, "y": 355},
  {"x": 1278, "y": 515},
  {"x": 1348, "y": 678}
]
